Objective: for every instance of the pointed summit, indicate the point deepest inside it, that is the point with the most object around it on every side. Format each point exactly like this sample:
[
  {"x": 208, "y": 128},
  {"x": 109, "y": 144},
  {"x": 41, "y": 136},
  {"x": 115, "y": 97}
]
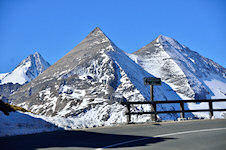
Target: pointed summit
[
  {"x": 27, "y": 70},
  {"x": 160, "y": 36},
  {"x": 97, "y": 36},
  {"x": 36, "y": 54},
  {"x": 97, "y": 29},
  {"x": 94, "y": 44},
  {"x": 96, "y": 41},
  {"x": 164, "y": 40}
]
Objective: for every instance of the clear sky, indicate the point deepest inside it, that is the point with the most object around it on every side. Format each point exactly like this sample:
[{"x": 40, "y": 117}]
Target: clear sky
[{"x": 54, "y": 27}]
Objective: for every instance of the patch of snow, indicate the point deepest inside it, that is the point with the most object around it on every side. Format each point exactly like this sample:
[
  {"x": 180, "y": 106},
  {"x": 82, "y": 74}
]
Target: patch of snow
[
  {"x": 18, "y": 75},
  {"x": 2, "y": 75},
  {"x": 192, "y": 60},
  {"x": 71, "y": 92},
  {"x": 169, "y": 41},
  {"x": 18, "y": 123},
  {"x": 205, "y": 105},
  {"x": 217, "y": 86},
  {"x": 100, "y": 115}
]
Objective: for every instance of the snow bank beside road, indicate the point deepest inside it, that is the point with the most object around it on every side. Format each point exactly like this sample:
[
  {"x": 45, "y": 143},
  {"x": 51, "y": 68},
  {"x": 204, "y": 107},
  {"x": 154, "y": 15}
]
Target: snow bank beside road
[{"x": 17, "y": 123}]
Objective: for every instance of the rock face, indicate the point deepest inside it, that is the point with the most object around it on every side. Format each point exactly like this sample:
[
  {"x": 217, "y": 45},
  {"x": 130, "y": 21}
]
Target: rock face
[
  {"x": 26, "y": 71},
  {"x": 8, "y": 89},
  {"x": 88, "y": 83}
]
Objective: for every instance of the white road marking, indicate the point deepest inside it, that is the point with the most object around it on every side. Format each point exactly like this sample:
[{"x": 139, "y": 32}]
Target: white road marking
[
  {"x": 162, "y": 135},
  {"x": 131, "y": 141},
  {"x": 194, "y": 131}
]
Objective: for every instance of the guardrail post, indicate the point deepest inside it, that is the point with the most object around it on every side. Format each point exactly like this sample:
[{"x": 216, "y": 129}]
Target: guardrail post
[
  {"x": 182, "y": 109},
  {"x": 211, "y": 109},
  {"x": 128, "y": 113}
]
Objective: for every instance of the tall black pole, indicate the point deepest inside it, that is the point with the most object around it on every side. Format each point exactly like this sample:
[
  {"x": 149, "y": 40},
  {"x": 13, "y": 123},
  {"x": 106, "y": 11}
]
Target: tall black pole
[
  {"x": 153, "y": 107},
  {"x": 152, "y": 93}
]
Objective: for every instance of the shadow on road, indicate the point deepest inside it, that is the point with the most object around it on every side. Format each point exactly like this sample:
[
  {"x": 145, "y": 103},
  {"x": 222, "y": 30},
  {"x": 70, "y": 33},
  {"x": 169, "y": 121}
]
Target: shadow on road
[{"x": 75, "y": 139}]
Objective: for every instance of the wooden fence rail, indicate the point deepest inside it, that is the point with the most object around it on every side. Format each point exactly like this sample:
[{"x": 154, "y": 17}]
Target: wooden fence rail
[{"x": 182, "y": 111}]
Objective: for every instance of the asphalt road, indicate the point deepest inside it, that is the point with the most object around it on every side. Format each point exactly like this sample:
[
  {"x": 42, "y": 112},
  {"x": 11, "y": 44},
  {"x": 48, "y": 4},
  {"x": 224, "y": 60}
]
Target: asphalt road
[{"x": 203, "y": 134}]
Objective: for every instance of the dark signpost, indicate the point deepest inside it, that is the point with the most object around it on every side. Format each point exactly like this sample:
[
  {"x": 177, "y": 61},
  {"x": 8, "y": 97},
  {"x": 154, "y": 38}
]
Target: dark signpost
[{"x": 152, "y": 81}]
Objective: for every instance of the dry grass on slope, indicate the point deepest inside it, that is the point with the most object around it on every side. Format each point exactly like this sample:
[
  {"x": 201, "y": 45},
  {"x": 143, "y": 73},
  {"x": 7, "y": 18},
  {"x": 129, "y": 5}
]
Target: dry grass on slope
[{"x": 6, "y": 108}]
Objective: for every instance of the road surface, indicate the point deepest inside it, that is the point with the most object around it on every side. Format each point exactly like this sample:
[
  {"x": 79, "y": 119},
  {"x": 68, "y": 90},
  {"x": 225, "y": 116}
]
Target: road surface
[{"x": 203, "y": 134}]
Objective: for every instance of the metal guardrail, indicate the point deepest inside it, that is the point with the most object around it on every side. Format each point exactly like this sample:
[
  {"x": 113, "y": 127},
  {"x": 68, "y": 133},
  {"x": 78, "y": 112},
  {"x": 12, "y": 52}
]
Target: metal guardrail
[{"x": 182, "y": 111}]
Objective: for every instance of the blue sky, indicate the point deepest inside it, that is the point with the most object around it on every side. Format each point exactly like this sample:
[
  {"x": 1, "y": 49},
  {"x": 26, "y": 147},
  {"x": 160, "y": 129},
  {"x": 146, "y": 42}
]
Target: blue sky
[{"x": 54, "y": 27}]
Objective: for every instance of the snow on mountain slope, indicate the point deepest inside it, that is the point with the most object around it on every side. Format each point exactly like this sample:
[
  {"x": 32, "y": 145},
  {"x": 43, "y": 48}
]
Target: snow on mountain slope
[
  {"x": 159, "y": 63},
  {"x": 2, "y": 75},
  {"x": 27, "y": 70},
  {"x": 86, "y": 86},
  {"x": 197, "y": 68},
  {"x": 17, "y": 123},
  {"x": 188, "y": 73}
]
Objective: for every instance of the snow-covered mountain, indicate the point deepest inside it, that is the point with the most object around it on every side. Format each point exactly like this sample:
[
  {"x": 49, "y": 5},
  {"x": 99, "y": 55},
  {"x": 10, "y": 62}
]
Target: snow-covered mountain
[
  {"x": 26, "y": 71},
  {"x": 84, "y": 88},
  {"x": 188, "y": 73}
]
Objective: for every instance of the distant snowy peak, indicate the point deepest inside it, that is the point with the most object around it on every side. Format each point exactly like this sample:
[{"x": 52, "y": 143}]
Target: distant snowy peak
[
  {"x": 194, "y": 61},
  {"x": 37, "y": 63},
  {"x": 187, "y": 72},
  {"x": 164, "y": 40},
  {"x": 27, "y": 70}
]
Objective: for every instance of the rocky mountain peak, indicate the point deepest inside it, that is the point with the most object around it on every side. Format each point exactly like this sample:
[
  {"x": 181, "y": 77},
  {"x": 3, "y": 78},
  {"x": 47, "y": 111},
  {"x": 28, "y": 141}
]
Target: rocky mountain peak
[
  {"x": 27, "y": 70},
  {"x": 97, "y": 36},
  {"x": 168, "y": 41},
  {"x": 97, "y": 29}
]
